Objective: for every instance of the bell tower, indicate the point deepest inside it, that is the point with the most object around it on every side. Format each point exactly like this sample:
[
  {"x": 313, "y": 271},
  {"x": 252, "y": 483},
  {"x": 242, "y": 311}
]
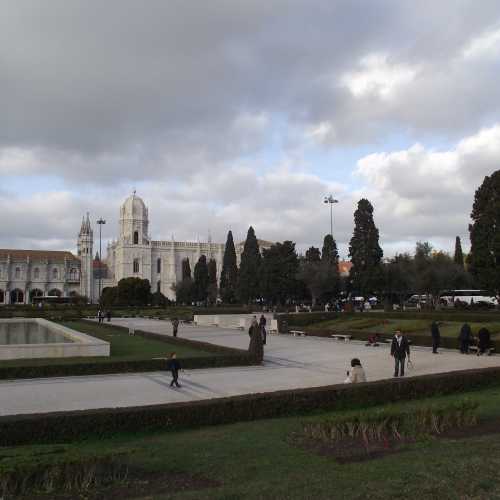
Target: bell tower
[{"x": 85, "y": 253}]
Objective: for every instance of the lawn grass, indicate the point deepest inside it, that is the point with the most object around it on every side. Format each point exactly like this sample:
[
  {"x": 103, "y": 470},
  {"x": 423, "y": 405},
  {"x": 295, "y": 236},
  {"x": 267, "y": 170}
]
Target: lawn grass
[
  {"x": 257, "y": 460},
  {"x": 124, "y": 347},
  {"x": 408, "y": 326}
]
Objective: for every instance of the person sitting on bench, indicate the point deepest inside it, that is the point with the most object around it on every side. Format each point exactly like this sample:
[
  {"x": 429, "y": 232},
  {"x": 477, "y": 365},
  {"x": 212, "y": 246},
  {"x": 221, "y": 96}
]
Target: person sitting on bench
[
  {"x": 483, "y": 343},
  {"x": 373, "y": 340}
]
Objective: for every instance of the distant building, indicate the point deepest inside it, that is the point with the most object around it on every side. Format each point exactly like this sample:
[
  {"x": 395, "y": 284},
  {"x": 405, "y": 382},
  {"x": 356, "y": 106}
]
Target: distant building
[{"x": 28, "y": 273}]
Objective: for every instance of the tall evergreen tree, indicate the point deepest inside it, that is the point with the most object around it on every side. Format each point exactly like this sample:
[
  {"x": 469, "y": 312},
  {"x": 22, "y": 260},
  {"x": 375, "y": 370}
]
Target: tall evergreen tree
[
  {"x": 186, "y": 269},
  {"x": 201, "y": 279},
  {"x": 212, "y": 281},
  {"x": 366, "y": 274},
  {"x": 330, "y": 269},
  {"x": 485, "y": 233},
  {"x": 229, "y": 273},
  {"x": 313, "y": 254},
  {"x": 248, "y": 276},
  {"x": 279, "y": 269},
  {"x": 459, "y": 255}
]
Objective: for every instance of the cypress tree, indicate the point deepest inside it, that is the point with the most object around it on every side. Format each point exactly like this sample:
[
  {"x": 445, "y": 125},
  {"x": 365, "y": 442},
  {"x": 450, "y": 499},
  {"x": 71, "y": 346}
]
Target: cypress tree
[
  {"x": 330, "y": 269},
  {"x": 212, "y": 281},
  {"x": 248, "y": 276},
  {"x": 313, "y": 254},
  {"x": 366, "y": 274},
  {"x": 229, "y": 273},
  {"x": 485, "y": 233},
  {"x": 459, "y": 255},
  {"x": 201, "y": 279}
]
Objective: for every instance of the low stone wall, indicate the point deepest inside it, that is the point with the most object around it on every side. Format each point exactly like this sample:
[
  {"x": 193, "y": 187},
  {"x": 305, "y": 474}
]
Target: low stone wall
[{"x": 242, "y": 321}]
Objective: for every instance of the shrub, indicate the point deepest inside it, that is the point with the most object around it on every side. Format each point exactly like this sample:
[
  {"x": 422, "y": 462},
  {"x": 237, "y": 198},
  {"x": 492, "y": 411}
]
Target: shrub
[
  {"x": 386, "y": 424},
  {"x": 62, "y": 476}
]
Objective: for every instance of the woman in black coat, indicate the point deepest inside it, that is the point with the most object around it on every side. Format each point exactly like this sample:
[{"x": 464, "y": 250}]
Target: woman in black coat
[
  {"x": 465, "y": 338},
  {"x": 483, "y": 341}
]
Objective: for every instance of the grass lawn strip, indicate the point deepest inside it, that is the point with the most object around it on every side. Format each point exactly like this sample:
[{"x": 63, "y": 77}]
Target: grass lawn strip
[{"x": 257, "y": 460}]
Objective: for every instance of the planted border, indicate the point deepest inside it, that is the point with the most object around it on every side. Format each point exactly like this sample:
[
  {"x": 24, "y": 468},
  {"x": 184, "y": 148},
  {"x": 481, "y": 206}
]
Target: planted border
[{"x": 67, "y": 426}]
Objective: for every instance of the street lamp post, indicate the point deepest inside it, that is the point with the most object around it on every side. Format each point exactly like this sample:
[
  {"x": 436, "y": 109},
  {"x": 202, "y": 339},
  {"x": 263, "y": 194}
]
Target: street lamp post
[
  {"x": 331, "y": 200},
  {"x": 101, "y": 221}
]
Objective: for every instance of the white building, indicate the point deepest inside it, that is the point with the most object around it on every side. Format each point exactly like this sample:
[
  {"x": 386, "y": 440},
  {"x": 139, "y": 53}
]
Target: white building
[{"x": 28, "y": 273}]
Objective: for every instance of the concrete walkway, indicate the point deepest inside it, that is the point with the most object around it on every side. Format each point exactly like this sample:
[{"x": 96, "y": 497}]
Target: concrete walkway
[{"x": 290, "y": 362}]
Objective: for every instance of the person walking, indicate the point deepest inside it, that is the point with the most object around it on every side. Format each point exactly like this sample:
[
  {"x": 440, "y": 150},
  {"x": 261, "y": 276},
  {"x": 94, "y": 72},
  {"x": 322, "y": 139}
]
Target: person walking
[
  {"x": 174, "y": 366},
  {"x": 262, "y": 326},
  {"x": 175, "y": 326},
  {"x": 356, "y": 374},
  {"x": 99, "y": 316},
  {"x": 400, "y": 349},
  {"x": 108, "y": 315},
  {"x": 465, "y": 338},
  {"x": 436, "y": 337},
  {"x": 483, "y": 344}
]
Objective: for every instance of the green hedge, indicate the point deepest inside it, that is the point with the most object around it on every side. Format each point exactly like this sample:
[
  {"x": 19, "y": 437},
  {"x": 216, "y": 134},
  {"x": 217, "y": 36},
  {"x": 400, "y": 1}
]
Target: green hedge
[
  {"x": 75, "y": 425},
  {"x": 305, "y": 319},
  {"x": 451, "y": 315}
]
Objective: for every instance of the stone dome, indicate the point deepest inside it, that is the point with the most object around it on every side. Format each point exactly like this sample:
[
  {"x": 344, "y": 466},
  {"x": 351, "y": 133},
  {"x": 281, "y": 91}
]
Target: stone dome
[{"x": 134, "y": 208}]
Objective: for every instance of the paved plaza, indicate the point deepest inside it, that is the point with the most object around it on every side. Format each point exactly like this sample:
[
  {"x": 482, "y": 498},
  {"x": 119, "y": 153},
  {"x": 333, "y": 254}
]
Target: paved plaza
[{"x": 290, "y": 362}]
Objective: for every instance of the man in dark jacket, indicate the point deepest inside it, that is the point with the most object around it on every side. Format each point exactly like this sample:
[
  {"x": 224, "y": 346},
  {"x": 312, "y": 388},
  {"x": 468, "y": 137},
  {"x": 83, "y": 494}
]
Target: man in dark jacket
[
  {"x": 483, "y": 345},
  {"x": 175, "y": 326},
  {"x": 400, "y": 349},
  {"x": 465, "y": 338},
  {"x": 436, "y": 337},
  {"x": 174, "y": 366},
  {"x": 262, "y": 325}
]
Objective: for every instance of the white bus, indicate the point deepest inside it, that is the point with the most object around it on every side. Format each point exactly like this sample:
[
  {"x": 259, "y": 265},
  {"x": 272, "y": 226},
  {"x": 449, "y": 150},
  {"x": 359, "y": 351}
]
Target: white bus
[{"x": 468, "y": 297}]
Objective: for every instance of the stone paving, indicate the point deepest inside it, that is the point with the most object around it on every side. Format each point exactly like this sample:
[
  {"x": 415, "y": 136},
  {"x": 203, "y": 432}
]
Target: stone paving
[{"x": 290, "y": 362}]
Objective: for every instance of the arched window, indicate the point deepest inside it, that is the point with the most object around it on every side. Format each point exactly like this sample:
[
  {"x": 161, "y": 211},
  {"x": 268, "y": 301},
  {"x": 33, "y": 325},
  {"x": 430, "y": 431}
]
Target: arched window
[
  {"x": 55, "y": 273},
  {"x": 55, "y": 292},
  {"x": 158, "y": 287},
  {"x": 73, "y": 274},
  {"x": 136, "y": 237},
  {"x": 136, "y": 265},
  {"x": 16, "y": 296},
  {"x": 36, "y": 273},
  {"x": 2, "y": 296},
  {"x": 158, "y": 266},
  {"x": 18, "y": 273}
]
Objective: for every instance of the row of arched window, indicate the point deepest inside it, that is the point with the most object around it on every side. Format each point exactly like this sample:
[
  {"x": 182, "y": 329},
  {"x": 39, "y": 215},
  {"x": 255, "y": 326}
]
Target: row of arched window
[
  {"x": 17, "y": 295},
  {"x": 73, "y": 273}
]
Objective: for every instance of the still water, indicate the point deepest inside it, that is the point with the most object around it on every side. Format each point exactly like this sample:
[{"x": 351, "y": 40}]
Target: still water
[{"x": 29, "y": 332}]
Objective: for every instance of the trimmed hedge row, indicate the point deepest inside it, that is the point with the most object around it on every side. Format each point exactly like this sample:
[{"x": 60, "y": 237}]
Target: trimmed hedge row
[
  {"x": 67, "y": 426},
  {"x": 305, "y": 319}
]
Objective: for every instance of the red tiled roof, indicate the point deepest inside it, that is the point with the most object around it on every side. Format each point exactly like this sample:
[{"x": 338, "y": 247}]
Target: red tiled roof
[
  {"x": 345, "y": 266},
  {"x": 36, "y": 255}
]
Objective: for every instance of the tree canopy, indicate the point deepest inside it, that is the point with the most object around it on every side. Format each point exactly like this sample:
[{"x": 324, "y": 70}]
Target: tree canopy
[
  {"x": 248, "y": 277},
  {"x": 229, "y": 274},
  {"x": 366, "y": 275},
  {"x": 485, "y": 233}
]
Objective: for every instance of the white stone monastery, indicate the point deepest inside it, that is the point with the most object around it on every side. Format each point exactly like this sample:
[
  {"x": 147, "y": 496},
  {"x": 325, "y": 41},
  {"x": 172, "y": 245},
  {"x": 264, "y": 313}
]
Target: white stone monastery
[{"x": 25, "y": 274}]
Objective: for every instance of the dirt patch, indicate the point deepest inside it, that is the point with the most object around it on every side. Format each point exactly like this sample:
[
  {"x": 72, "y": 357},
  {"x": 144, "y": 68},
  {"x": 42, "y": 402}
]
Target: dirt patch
[
  {"x": 356, "y": 450},
  {"x": 139, "y": 484}
]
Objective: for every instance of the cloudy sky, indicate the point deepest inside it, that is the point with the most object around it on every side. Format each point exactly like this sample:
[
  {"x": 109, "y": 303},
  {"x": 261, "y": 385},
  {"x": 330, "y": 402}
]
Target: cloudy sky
[{"x": 228, "y": 113}]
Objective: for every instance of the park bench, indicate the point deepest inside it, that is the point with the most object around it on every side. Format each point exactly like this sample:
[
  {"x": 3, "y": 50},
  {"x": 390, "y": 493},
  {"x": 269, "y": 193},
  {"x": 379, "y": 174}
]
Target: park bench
[
  {"x": 340, "y": 336},
  {"x": 298, "y": 333}
]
